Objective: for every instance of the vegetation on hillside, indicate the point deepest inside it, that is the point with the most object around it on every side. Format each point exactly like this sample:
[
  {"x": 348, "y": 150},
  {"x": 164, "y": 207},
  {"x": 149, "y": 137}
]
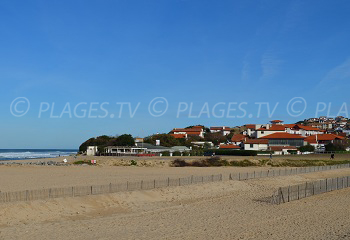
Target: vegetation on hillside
[{"x": 103, "y": 141}]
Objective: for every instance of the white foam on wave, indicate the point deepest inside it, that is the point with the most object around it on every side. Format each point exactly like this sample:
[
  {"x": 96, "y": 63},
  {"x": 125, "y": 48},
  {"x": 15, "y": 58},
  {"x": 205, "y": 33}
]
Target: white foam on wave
[{"x": 32, "y": 155}]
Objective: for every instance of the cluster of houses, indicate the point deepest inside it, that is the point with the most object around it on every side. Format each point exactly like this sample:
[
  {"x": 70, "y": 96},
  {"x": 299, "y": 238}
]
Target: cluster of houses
[
  {"x": 275, "y": 136},
  {"x": 339, "y": 123}
]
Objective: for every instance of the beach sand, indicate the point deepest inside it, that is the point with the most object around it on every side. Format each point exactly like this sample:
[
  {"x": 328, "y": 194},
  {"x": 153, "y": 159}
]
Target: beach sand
[{"x": 219, "y": 210}]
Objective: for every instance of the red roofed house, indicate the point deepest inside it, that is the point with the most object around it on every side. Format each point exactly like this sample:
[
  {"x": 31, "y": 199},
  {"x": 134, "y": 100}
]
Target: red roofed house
[
  {"x": 238, "y": 138},
  {"x": 224, "y": 130},
  {"x": 282, "y": 150},
  {"x": 269, "y": 129},
  {"x": 285, "y": 139},
  {"x": 250, "y": 129},
  {"x": 256, "y": 144},
  {"x": 194, "y": 131},
  {"x": 319, "y": 140},
  {"x": 304, "y": 130}
]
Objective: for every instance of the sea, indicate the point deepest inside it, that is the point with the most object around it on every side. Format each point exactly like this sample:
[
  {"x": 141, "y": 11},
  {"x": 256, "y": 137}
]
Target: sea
[{"x": 25, "y": 154}]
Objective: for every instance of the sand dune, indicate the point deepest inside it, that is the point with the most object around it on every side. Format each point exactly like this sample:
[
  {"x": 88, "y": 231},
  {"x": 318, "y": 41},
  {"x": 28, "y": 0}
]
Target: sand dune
[{"x": 220, "y": 210}]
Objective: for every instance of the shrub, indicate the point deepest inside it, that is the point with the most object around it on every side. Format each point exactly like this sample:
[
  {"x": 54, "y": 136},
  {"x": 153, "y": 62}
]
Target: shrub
[
  {"x": 332, "y": 147},
  {"x": 244, "y": 163},
  {"x": 179, "y": 163},
  {"x": 307, "y": 148},
  {"x": 214, "y": 161},
  {"x": 197, "y": 152},
  {"x": 177, "y": 153},
  {"x": 166, "y": 153},
  {"x": 80, "y": 162},
  {"x": 233, "y": 152},
  {"x": 133, "y": 163}
]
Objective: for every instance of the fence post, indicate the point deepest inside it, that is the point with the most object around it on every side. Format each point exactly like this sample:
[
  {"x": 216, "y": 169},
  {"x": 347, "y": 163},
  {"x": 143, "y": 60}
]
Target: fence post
[
  {"x": 239, "y": 176},
  {"x": 298, "y": 193},
  {"x": 72, "y": 191},
  {"x": 168, "y": 181},
  {"x": 305, "y": 188},
  {"x": 110, "y": 187},
  {"x": 179, "y": 182},
  {"x": 212, "y": 178},
  {"x": 27, "y": 195},
  {"x": 337, "y": 183},
  {"x": 141, "y": 184},
  {"x": 281, "y": 195},
  {"x": 154, "y": 185},
  {"x": 192, "y": 179},
  {"x": 288, "y": 194},
  {"x": 91, "y": 190}
]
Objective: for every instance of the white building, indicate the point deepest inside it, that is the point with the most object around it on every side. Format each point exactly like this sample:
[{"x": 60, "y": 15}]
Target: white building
[
  {"x": 224, "y": 130},
  {"x": 91, "y": 150},
  {"x": 256, "y": 144}
]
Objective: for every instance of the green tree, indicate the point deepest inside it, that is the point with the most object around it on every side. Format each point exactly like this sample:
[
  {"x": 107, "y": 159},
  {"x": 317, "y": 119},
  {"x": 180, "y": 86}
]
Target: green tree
[
  {"x": 124, "y": 140},
  {"x": 307, "y": 148},
  {"x": 166, "y": 140},
  {"x": 215, "y": 138},
  {"x": 332, "y": 147},
  {"x": 103, "y": 141}
]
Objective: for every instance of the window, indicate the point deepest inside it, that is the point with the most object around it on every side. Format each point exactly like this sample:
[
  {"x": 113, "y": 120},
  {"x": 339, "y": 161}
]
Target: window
[
  {"x": 262, "y": 132},
  {"x": 251, "y": 145}
]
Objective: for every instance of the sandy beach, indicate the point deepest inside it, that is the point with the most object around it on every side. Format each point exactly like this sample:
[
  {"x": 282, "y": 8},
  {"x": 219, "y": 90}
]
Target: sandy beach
[{"x": 219, "y": 210}]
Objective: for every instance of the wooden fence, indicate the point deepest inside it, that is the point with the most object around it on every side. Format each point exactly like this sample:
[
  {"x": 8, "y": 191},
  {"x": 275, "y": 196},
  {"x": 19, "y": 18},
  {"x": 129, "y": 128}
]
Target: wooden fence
[
  {"x": 284, "y": 172},
  {"x": 296, "y": 192},
  {"x": 42, "y": 194}
]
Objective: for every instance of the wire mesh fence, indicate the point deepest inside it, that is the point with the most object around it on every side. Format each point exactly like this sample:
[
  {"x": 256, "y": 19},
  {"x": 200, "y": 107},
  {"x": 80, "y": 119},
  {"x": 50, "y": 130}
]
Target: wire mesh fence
[
  {"x": 296, "y": 192},
  {"x": 43, "y": 194},
  {"x": 284, "y": 172}
]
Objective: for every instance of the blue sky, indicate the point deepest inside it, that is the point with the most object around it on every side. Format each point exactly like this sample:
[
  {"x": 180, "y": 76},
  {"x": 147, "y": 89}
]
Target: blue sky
[{"x": 199, "y": 52}]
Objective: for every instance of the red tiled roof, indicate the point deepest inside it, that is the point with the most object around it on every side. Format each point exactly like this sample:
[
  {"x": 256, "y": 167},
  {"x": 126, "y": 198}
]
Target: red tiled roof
[
  {"x": 231, "y": 146},
  {"x": 193, "y": 133},
  {"x": 280, "y": 148},
  {"x": 323, "y": 137},
  {"x": 290, "y": 125},
  {"x": 178, "y": 135},
  {"x": 238, "y": 138},
  {"x": 307, "y": 128},
  {"x": 251, "y": 126},
  {"x": 256, "y": 141},
  {"x": 283, "y": 135},
  {"x": 276, "y": 121}
]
